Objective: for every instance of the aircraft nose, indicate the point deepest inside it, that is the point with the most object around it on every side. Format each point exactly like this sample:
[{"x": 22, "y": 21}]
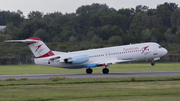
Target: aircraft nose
[{"x": 164, "y": 51}]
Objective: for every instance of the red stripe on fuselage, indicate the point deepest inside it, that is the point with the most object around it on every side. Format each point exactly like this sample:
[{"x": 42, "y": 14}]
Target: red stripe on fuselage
[
  {"x": 50, "y": 53},
  {"x": 103, "y": 64}
]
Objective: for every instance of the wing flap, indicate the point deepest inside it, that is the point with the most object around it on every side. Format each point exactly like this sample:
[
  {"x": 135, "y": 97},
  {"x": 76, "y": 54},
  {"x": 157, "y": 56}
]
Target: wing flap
[
  {"x": 115, "y": 61},
  {"x": 125, "y": 60}
]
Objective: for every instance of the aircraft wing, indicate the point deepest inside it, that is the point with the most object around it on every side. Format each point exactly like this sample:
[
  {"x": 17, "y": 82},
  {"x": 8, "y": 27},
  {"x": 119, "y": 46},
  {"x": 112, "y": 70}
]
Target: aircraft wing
[{"x": 114, "y": 61}]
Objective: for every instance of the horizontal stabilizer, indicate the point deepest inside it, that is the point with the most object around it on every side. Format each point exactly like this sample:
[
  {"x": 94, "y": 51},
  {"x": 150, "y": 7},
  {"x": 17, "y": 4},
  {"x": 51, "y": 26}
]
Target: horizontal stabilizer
[{"x": 25, "y": 41}]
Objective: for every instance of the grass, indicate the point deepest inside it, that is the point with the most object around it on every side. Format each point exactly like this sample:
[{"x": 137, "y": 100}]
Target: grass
[
  {"x": 97, "y": 89},
  {"x": 114, "y": 89},
  {"x": 133, "y": 67},
  {"x": 59, "y": 80}
]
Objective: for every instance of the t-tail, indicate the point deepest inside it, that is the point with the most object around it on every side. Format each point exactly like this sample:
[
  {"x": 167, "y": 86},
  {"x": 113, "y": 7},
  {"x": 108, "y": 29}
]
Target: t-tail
[{"x": 37, "y": 46}]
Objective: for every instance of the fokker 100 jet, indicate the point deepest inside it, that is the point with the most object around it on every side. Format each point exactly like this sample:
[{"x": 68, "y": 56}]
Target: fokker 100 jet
[{"x": 93, "y": 57}]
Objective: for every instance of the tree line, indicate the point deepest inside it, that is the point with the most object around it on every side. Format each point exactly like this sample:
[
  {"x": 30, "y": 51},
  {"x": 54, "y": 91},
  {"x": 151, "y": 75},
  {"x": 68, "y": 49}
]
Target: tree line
[{"x": 92, "y": 26}]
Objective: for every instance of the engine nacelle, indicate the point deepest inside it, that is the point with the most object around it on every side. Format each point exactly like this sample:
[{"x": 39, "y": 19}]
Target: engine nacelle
[{"x": 77, "y": 59}]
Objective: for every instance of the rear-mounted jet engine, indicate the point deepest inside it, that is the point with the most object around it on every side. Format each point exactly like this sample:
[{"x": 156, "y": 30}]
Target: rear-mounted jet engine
[{"x": 77, "y": 59}]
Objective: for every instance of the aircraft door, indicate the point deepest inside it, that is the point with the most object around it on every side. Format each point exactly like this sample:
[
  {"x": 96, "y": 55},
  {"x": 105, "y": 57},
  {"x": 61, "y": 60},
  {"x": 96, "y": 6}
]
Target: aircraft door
[{"x": 155, "y": 50}]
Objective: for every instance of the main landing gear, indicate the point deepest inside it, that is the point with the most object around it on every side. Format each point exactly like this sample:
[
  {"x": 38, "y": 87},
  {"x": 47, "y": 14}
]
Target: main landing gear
[
  {"x": 104, "y": 70},
  {"x": 89, "y": 71}
]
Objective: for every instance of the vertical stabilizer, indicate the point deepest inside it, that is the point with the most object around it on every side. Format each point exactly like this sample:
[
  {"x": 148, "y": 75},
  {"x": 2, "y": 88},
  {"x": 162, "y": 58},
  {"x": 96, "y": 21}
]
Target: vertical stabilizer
[{"x": 37, "y": 46}]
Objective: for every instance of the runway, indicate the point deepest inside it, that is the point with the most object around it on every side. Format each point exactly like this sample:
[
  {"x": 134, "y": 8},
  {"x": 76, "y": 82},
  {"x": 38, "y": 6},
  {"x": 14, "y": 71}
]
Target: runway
[{"x": 94, "y": 75}]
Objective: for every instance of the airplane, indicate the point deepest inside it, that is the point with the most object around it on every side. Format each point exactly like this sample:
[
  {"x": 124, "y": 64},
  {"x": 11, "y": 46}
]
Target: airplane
[{"x": 93, "y": 57}]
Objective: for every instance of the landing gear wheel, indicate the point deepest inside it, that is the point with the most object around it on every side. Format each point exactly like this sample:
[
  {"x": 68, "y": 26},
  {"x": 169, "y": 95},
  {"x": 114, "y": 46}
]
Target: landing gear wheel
[
  {"x": 89, "y": 71},
  {"x": 153, "y": 63},
  {"x": 105, "y": 71}
]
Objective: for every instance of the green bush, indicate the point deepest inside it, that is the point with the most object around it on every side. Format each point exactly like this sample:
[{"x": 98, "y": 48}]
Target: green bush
[
  {"x": 10, "y": 79},
  {"x": 23, "y": 79},
  {"x": 56, "y": 78},
  {"x": 133, "y": 79}
]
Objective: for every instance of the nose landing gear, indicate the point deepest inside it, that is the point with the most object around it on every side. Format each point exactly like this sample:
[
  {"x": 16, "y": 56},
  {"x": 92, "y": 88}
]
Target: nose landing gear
[{"x": 153, "y": 63}]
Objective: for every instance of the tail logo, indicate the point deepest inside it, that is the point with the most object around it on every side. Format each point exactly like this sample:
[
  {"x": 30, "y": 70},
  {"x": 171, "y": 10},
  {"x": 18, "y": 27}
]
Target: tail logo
[
  {"x": 38, "y": 47},
  {"x": 144, "y": 48}
]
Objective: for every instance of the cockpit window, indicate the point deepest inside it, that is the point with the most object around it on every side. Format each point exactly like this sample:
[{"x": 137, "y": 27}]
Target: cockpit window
[{"x": 160, "y": 47}]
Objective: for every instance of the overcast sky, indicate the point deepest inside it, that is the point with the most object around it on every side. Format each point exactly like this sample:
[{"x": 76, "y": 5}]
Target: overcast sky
[{"x": 69, "y": 6}]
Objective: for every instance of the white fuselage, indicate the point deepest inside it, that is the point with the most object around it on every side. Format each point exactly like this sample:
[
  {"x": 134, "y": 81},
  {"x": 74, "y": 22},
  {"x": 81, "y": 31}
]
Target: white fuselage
[{"x": 110, "y": 55}]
